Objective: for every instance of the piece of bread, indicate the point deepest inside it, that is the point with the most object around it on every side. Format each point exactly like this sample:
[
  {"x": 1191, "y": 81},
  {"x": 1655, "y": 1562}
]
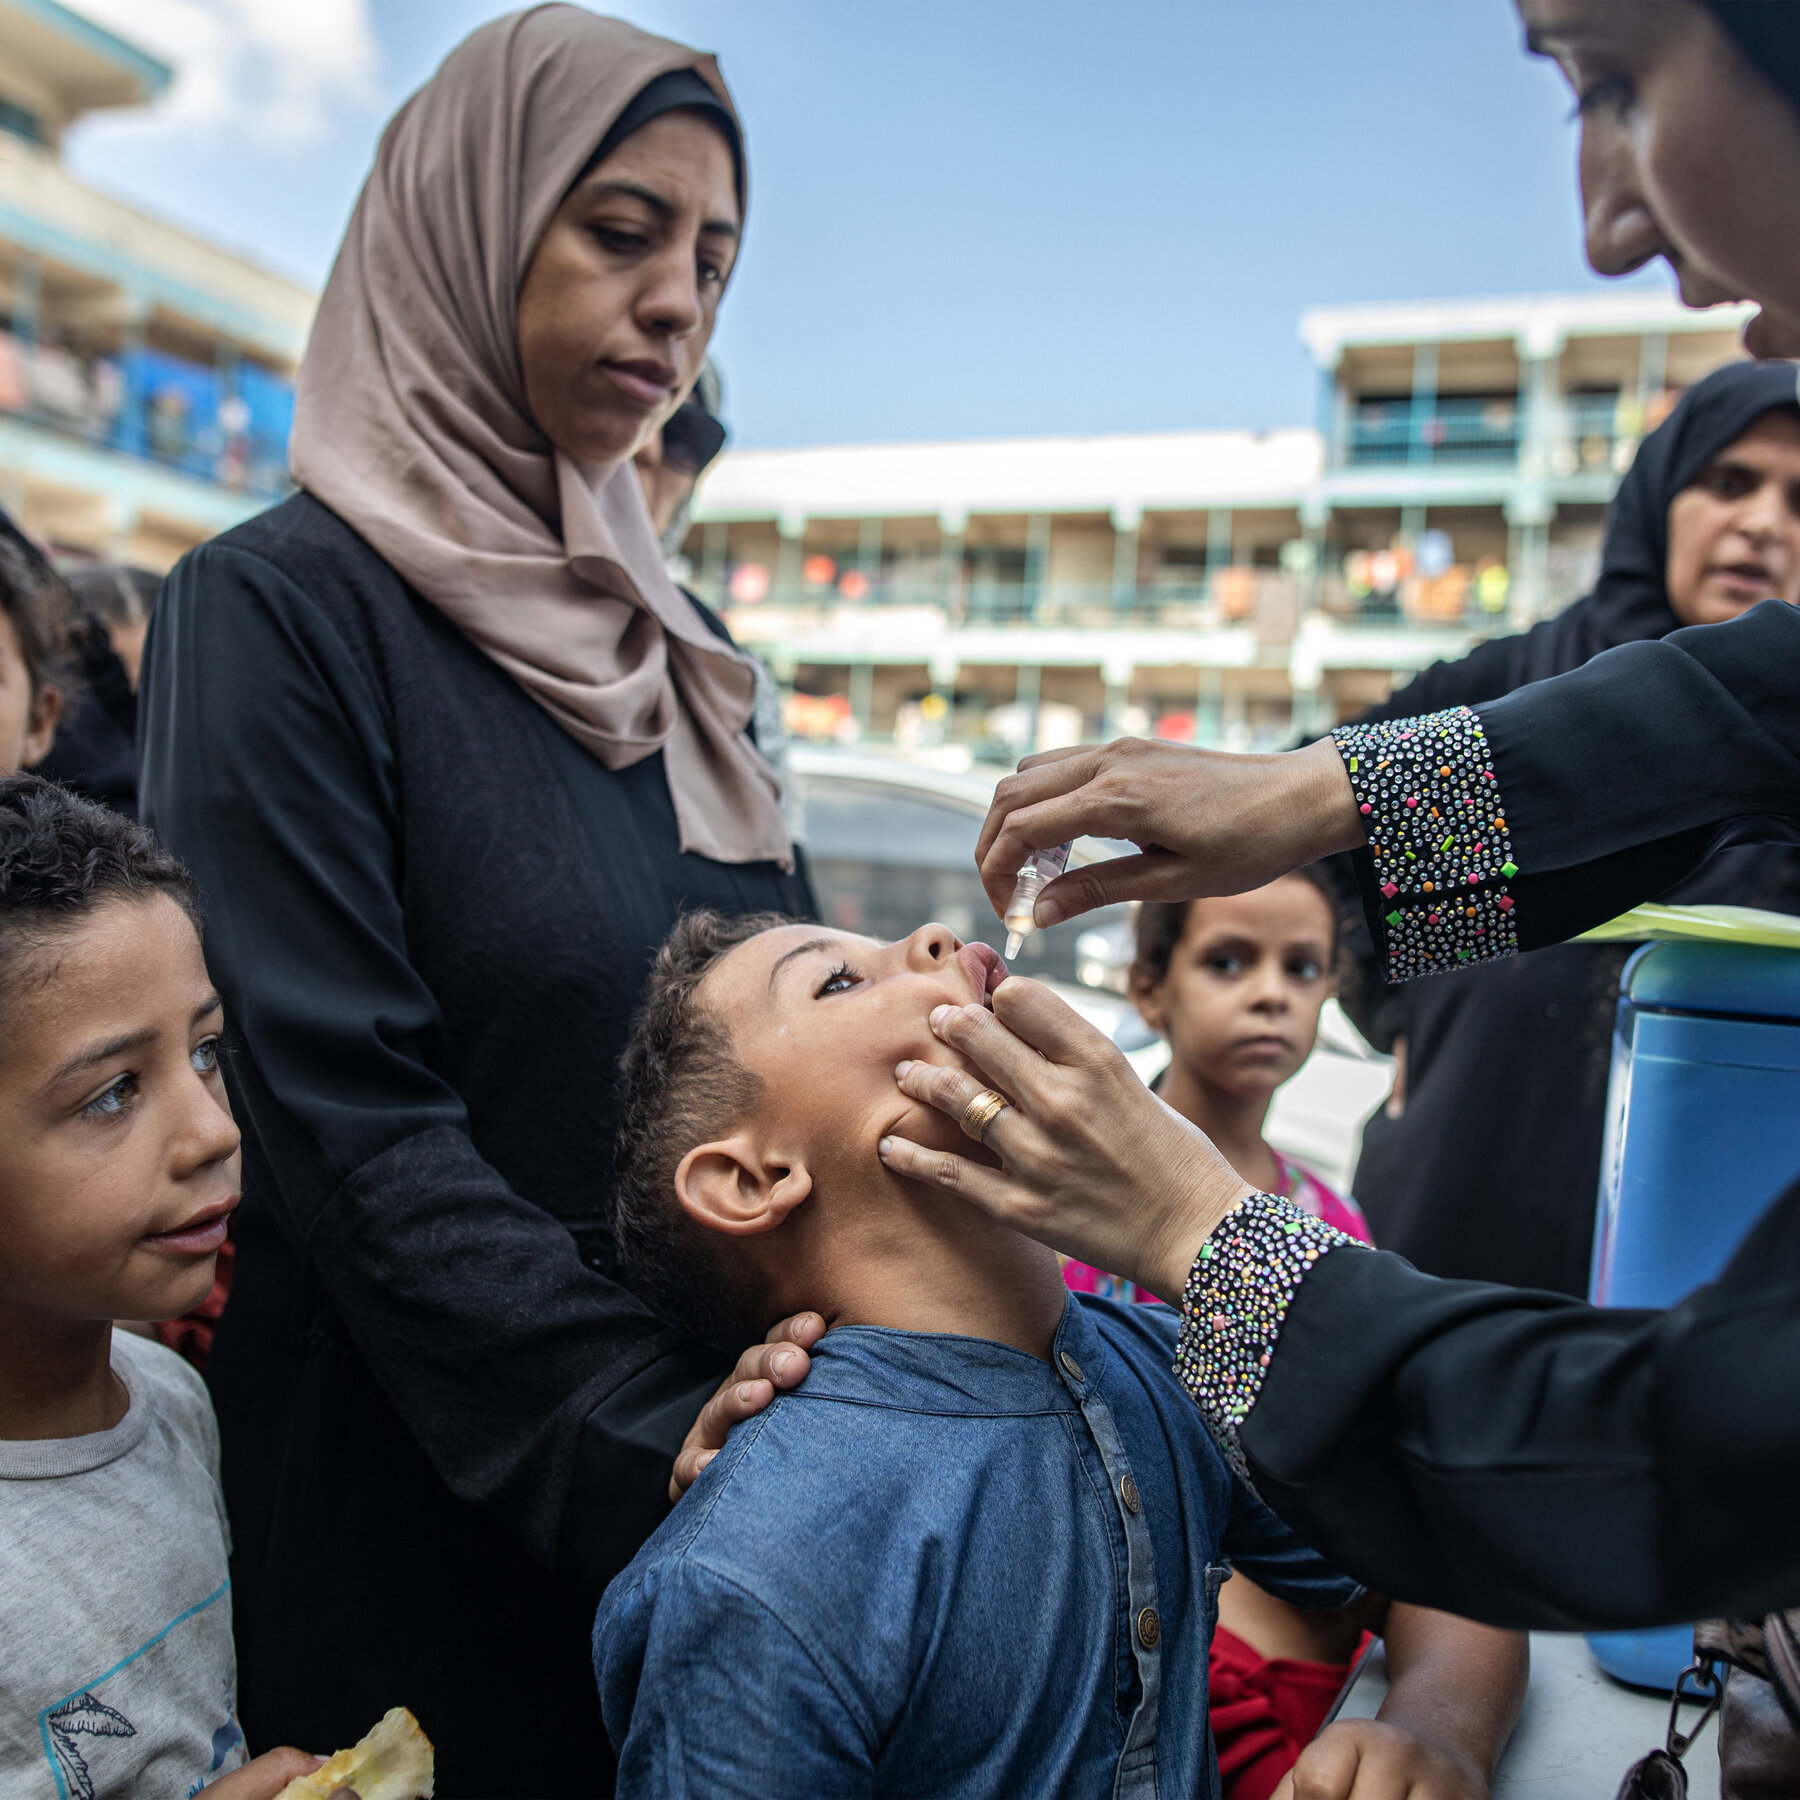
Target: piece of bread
[{"x": 394, "y": 1762}]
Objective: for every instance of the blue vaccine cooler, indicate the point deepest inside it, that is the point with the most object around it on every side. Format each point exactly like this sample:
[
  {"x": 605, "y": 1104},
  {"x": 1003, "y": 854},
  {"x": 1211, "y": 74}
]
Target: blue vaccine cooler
[{"x": 1702, "y": 1132}]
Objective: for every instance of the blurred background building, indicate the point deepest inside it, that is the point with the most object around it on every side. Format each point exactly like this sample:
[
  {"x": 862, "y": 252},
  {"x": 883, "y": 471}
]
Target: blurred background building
[
  {"x": 960, "y": 603},
  {"x": 145, "y": 374},
  {"x": 967, "y": 602}
]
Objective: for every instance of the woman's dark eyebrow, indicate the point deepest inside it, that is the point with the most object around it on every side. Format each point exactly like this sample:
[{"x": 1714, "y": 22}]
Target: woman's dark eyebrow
[
  {"x": 806, "y": 949},
  {"x": 663, "y": 209}
]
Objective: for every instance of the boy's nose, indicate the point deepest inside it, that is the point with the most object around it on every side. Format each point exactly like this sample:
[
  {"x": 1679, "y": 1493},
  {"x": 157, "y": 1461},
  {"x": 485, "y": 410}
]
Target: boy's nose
[
  {"x": 931, "y": 946},
  {"x": 210, "y": 1134}
]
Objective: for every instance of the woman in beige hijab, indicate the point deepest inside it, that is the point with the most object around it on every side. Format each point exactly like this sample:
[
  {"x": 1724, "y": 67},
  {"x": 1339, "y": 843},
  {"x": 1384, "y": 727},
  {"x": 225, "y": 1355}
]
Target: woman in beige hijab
[{"x": 449, "y": 752}]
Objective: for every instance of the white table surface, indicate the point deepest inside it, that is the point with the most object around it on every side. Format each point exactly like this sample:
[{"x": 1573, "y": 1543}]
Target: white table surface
[{"x": 1580, "y": 1730}]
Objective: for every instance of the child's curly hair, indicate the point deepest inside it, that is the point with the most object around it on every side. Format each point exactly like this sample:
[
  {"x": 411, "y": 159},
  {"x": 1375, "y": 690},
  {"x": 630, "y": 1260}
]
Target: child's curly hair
[
  {"x": 680, "y": 1086},
  {"x": 61, "y": 857}
]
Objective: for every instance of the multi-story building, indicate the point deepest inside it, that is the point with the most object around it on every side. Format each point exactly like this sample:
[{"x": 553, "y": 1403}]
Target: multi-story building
[
  {"x": 1217, "y": 587},
  {"x": 145, "y": 374}
]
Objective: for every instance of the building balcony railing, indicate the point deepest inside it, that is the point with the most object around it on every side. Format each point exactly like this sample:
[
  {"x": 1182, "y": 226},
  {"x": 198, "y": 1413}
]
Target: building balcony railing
[
  {"x": 1266, "y": 602},
  {"x": 1231, "y": 597},
  {"x": 1451, "y": 431},
  {"x": 1593, "y": 431},
  {"x": 226, "y": 427}
]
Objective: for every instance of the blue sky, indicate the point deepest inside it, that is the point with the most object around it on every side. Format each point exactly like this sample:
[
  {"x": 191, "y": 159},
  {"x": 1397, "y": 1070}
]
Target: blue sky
[{"x": 968, "y": 218}]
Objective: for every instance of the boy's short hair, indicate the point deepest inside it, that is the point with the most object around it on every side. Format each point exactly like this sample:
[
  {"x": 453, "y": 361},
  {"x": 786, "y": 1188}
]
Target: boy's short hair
[
  {"x": 682, "y": 1086},
  {"x": 62, "y": 856}
]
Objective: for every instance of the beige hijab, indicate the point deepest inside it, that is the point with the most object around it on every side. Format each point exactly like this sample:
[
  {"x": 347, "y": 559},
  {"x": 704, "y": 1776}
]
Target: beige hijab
[{"x": 410, "y": 422}]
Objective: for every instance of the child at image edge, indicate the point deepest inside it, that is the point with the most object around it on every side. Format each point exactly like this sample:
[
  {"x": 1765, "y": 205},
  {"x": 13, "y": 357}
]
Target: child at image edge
[
  {"x": 1235, "y": 987},
  {"x": 118, "y": 1169}
]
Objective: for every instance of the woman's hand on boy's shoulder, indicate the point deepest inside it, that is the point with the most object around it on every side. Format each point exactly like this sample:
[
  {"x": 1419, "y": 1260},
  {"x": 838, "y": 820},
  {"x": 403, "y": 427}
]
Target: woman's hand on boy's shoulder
[
  {"x": 1368, "y": 1759},
  {"x": 263, "y": 1777},
  {"x": 764, "y": 1370}
]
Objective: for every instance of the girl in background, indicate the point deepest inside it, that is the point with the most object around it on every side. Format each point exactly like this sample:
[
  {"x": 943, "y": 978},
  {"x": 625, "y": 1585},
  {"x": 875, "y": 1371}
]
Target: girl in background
[{"x": 1236, "y": 987}]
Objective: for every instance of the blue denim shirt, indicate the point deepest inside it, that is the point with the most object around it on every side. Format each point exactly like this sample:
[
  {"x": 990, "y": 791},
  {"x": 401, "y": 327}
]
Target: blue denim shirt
[{"x": 942, "y": 1567}]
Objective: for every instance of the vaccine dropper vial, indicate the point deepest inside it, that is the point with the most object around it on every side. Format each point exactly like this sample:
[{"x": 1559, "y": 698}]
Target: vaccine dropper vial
[{"x": 1041, "y": 868}]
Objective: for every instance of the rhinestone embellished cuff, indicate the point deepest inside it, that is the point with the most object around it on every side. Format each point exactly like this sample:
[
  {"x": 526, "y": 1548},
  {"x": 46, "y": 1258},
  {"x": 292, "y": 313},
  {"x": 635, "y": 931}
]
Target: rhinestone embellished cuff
[
  {"x": 1437, "y": 831},
  {"x": 1232, "y": 1310}
]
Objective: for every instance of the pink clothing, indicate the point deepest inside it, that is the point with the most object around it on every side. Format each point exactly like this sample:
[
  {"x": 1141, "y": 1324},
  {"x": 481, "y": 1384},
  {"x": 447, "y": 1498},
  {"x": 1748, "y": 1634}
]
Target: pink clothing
[
  {"x": 1309, "y": 1193},
  {"x": 1300, "y": 1185}
]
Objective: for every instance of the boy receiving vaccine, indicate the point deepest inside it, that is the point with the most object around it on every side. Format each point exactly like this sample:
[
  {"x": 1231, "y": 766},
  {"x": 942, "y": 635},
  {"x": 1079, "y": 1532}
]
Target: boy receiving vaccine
[
  {"x": 118, "y": 1170},
  {"x": 1235, "y": 986},
  {"x": 978, "y": 1551}
]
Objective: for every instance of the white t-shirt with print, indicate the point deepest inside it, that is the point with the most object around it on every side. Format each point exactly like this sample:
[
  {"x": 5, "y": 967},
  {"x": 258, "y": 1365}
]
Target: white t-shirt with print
[{"x": 117, "y": 1674}]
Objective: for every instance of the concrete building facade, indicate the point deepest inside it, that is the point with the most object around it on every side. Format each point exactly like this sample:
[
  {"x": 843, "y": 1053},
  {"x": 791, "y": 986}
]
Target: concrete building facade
[
  {"x": 1214, "y": 587},
  {"x": 146, "y": 375}
]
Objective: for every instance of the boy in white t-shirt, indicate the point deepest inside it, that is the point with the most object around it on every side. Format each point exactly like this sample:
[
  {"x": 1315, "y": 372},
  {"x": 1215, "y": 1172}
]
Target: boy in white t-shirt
[{"x": 118, "y": 1171}]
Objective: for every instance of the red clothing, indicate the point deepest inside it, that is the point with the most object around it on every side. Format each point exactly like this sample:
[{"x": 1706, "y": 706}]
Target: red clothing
[
  {"x": 191, "y": 1335},
  {"x": 1264, "y": 1713}
]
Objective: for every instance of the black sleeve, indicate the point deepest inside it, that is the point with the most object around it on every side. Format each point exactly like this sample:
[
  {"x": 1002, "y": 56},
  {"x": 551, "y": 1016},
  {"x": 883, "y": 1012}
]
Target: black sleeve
[
  {"x": 1488, "y": 671},
  {"x": 1591, "y": 791},
  {"x": 536, "y": 1387},
  {"x": 1614, "y": 774},
  {"x": 1526, "y": 1460}
]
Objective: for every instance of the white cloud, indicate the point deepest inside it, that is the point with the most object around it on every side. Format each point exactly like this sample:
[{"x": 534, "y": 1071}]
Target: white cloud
[{"x": 277, "y": 70}]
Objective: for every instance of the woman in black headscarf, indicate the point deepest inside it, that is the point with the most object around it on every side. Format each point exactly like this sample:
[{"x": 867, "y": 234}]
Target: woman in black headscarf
[{"x": 1486, "y": 1162}]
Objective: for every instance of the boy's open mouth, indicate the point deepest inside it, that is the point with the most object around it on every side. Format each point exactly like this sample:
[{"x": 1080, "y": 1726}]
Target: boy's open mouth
[{"x": 985, "y": 969}]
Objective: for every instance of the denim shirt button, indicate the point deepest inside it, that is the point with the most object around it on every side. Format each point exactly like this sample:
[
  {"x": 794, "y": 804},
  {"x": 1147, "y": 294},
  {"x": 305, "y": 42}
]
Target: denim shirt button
[
  {"x": 1069, "y": 1363},
  {"x": 1128, "y": 1492},
  {"x": 1149, "y": 1628}
]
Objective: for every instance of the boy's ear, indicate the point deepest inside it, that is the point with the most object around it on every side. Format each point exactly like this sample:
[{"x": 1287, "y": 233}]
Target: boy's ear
[{"x": 733, "y": 1186}]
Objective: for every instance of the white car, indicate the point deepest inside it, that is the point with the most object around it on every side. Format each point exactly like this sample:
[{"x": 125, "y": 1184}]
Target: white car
[{"x": 891, "y": 844}]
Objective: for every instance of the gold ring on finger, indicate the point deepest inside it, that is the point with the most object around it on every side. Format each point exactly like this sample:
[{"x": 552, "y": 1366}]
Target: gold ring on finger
[{"x": 981, "y": 1112}]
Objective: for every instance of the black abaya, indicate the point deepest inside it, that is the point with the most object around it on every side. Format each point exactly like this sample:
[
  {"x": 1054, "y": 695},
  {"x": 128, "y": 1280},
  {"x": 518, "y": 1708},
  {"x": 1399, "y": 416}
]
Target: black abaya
[
  {"x": 1520, "y": 1457},
  {"x": 1490, "y": 1172},
  {"x": 445, "y": 1424}
]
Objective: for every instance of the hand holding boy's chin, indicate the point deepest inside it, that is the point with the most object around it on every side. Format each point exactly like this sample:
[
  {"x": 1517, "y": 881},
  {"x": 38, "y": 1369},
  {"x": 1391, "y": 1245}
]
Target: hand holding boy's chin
[
  {"x": 1373, "y": 1760},
  {"x": 923, "y": 1124}
]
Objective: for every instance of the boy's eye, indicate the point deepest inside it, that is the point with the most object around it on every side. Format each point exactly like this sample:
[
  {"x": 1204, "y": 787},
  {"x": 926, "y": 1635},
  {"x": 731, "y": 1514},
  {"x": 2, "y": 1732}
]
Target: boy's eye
[
  {"x": 112, "y": 1100},
  {"x": 1225, "y": 963},
  {"x": 1305, "y": 969},
  {"x": 205, "y": 1056},
  {"x": 840, "y": 981}
]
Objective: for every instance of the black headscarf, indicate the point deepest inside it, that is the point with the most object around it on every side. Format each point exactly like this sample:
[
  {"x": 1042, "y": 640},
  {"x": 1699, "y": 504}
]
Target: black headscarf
[
  {"x": 1629, "y": 601},
  {"x": 1768, "y": 33},
  {"x": 680, "y": 90}
]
